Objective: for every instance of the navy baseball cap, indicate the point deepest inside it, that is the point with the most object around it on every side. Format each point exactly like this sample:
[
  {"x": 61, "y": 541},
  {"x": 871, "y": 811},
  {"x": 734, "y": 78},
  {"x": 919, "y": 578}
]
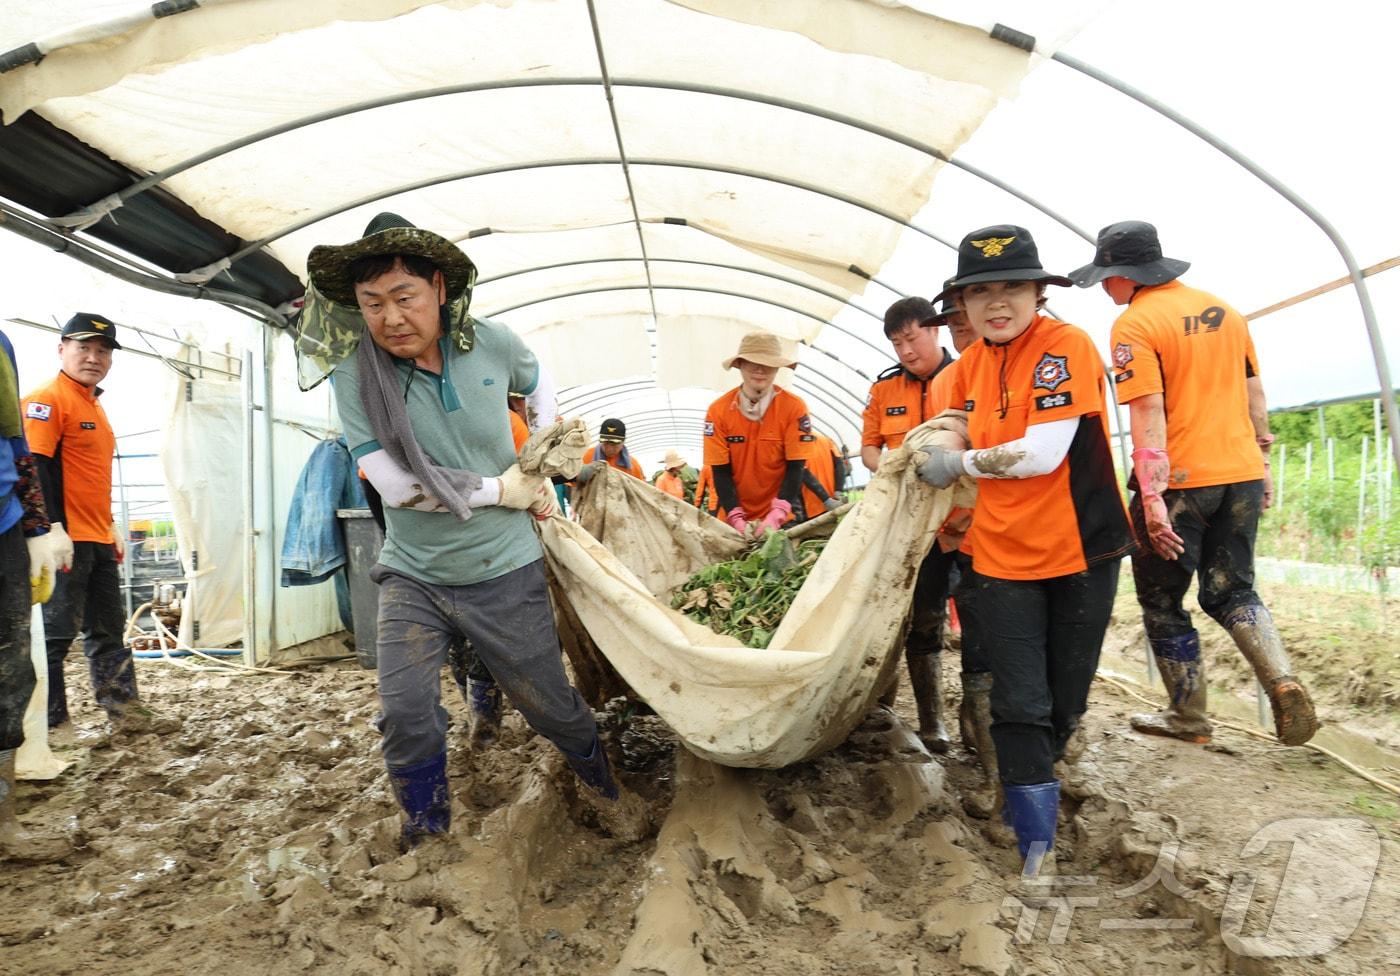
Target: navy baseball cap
[{"x": 86, "y": 325}]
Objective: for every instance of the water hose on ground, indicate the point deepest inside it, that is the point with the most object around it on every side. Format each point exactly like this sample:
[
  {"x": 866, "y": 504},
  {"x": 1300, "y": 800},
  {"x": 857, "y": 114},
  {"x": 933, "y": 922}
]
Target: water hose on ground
[
  {"x": 163, "y": 634},
  {"x": 1346, "y": 764}
]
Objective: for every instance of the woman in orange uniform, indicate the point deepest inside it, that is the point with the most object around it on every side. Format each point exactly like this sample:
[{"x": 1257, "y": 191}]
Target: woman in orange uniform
[
  {"x": 757, "y": 439},
  {"x": 1049, "y": 531},
  {"x": 670, "y": 480}
]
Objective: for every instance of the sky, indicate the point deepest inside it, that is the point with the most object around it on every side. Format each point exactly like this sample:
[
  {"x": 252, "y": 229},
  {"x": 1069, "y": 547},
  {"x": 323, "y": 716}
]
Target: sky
[{"x": 1305, "y": 90}]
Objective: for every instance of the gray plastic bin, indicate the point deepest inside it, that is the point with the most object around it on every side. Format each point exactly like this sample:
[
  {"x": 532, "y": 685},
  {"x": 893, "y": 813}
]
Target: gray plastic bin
[{"x": 362, "y": 544}]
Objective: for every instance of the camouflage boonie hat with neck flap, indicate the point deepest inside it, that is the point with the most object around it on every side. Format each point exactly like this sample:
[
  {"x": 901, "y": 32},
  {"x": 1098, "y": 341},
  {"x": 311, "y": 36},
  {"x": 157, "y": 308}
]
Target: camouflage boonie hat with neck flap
[
  {"x": 330, "y": 325},
  {"x": 328, "y": 265}
]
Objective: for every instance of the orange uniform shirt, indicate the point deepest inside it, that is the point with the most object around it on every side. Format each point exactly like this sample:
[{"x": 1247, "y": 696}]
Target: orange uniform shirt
[
  {"x": 938, "y": 396},
  {"x": 758, "y": 450},
  {"x": 519, "y": 430},
  {"x": 822, "y": 464},
  {"x": 1057, "y": 523},
  {"x": 706, "y": 482},
  {"x": 64, "y": 421},
  {"x": 1196, "y": 351},
  {"x": 634, "y": 469},
  {"x": 896, "y": 405},
  {"x": 671, "y": 484}
]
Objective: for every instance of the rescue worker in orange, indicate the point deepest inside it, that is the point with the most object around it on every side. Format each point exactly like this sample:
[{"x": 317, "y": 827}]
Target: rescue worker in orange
[
  {"x": 1184, "y": 363},
  {"x": 824, "y": 478},
  {"x": 611, "y": 450},
  {"x": 898, "y": 403},
  {"x": 670, "y": 480},
  {"x": 705, "y": 496},
  {"x": 758, "y": 438},
  {"x": 975, "y": 710},
  {"x": 73, "y": 445},
  {"x": 1049, "y": 529}
]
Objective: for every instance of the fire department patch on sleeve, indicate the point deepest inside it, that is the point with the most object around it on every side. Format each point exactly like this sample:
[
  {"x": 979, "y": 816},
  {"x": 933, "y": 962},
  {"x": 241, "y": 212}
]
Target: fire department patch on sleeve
[
  {"x": 1051, "y": 372},
  {"x": 1122, "y": 355},
  {"x": 39, "y": 411},
  {"x": 804, "y": 424},
  {"x": 709, "y": 429}
]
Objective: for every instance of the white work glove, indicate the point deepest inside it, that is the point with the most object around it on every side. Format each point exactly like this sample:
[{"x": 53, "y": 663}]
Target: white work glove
[
  {"x": 63, "y": 546},
  {"x": 520, "y": 490},
  {"x": 118, "y": 543},
  {"x": 43, "y": 565},
  {"x": 939, "y": 466},
  {"x": 832, "y": 503},
  {"x": 546, "y": 505}
]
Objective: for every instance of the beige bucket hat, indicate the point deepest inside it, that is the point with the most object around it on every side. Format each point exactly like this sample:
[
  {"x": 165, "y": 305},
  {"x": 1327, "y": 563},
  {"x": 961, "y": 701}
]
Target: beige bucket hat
[
  {"x": 763, "y": 348},
  {"x": 673, "y": 460}
]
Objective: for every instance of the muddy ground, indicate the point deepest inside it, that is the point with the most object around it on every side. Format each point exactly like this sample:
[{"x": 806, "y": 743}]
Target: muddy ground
[{"x": 262, "y": 839}]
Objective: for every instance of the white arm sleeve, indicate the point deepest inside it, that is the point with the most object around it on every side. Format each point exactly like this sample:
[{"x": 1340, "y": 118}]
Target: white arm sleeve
[
  {"x": 1039, "y": 452},
  {"x": 400, "y": 489},
  {"x": 541, "y": 404}
]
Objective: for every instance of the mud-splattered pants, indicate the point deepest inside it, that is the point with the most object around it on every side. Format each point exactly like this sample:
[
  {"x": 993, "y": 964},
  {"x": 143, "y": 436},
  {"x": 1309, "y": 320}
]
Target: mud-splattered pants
[
  {"x": 974, "y": 658},
  {"x": 1042, "y": 639},
  {"x": 16, "y": 669},
  {"x": 88, "y": 600},
  {"x": 1217, "y": 526},
  {"x": 930, "y": 605},
  {"x": 510, "y": 624}
]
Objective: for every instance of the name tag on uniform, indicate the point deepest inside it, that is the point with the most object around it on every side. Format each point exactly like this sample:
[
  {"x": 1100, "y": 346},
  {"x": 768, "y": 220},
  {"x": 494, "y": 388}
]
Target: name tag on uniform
[
  {"x": 735, "y": 439},
  {"x": 1054, "y": 400},
  {"x": 969, "y": 404},
  {"x": 896, "y": 411},
  {"x": 806, "y": 437},
  {"x": 1123, "y": 377},
  {"x": 88, "y": 425}
]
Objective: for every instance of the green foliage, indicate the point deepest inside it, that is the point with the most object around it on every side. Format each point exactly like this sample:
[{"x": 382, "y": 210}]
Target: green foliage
[
  {"x": 1346, "y": 423},
  {"x": 1321, "y": 519},
  {"x": 1372, "y": 807},
  {"x": 747, "y": 598}
]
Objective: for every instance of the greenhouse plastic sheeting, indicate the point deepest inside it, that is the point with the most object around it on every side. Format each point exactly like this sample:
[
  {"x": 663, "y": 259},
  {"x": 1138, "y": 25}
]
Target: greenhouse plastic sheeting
[
  {"x": 730, "y": 184},
  {"x": 202, "y": 453},
  {"x": 829, "y": 658}
]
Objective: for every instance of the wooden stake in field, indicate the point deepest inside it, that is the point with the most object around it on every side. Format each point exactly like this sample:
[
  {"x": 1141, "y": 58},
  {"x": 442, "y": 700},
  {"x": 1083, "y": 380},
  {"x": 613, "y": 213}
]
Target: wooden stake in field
[{"x": 1361, "y": 497}]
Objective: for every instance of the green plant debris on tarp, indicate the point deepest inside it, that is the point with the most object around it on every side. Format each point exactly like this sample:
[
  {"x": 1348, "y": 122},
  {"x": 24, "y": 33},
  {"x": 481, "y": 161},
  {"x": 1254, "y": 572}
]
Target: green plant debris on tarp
[{"x": 747, "y": 598}]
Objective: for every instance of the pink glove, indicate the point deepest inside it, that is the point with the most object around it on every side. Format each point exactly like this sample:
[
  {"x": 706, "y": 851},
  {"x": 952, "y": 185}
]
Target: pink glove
[
  {"x": 1153, "y": 469},
  {"x": 778, "y": 514},
  {"x": 738, "y": 520}
]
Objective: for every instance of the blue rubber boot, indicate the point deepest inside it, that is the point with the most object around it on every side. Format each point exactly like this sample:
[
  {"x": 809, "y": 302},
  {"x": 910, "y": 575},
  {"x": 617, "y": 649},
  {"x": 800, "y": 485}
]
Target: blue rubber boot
[
  {"x": 486, "y": 704},
  {"x": 1184, "y": 676},
  {"x": 421, "y": 790},
  {"x": 594, "y": 770},
  {"x": 1031, "y": 812}
]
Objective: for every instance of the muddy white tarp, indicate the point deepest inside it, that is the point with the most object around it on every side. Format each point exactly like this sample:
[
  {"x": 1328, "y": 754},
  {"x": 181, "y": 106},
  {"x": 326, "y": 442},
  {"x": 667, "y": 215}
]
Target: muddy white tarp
[{"x": 828, "y": 660}]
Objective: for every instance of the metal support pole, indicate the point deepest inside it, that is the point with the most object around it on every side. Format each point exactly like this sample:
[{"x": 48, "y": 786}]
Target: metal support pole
[
  {"x": 125, "y": 530},
  {"x": 1358, "y": 280},
  {"x": 1361, "y": 497},
  {"x": 250, "y": 553},
  {"x": 1282, "y": 472}
]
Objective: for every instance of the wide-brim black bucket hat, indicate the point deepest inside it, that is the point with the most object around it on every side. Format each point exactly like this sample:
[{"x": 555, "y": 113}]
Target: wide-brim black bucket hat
[
  {"x": 328, "y": 265},
  {"x": 1002, "y": 252},
  {"x": 1129, "y": 249}
]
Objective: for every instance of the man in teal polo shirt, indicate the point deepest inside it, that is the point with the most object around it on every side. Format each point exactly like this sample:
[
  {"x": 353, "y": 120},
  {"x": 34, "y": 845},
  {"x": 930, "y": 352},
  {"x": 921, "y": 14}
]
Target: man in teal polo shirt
[{"x": 424, "y": 412}]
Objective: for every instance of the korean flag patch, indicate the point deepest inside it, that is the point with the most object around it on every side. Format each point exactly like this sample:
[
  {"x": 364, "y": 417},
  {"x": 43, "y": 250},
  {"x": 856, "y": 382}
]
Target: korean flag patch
[
  {"x": 39, "y": 411},
  {"x": 1051, "y": 372},
  {"x": 709, "y": 429}
]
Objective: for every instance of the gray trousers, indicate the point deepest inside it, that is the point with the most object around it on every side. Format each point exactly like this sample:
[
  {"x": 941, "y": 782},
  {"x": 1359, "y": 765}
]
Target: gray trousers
[{"x": 510, "y": 624}]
